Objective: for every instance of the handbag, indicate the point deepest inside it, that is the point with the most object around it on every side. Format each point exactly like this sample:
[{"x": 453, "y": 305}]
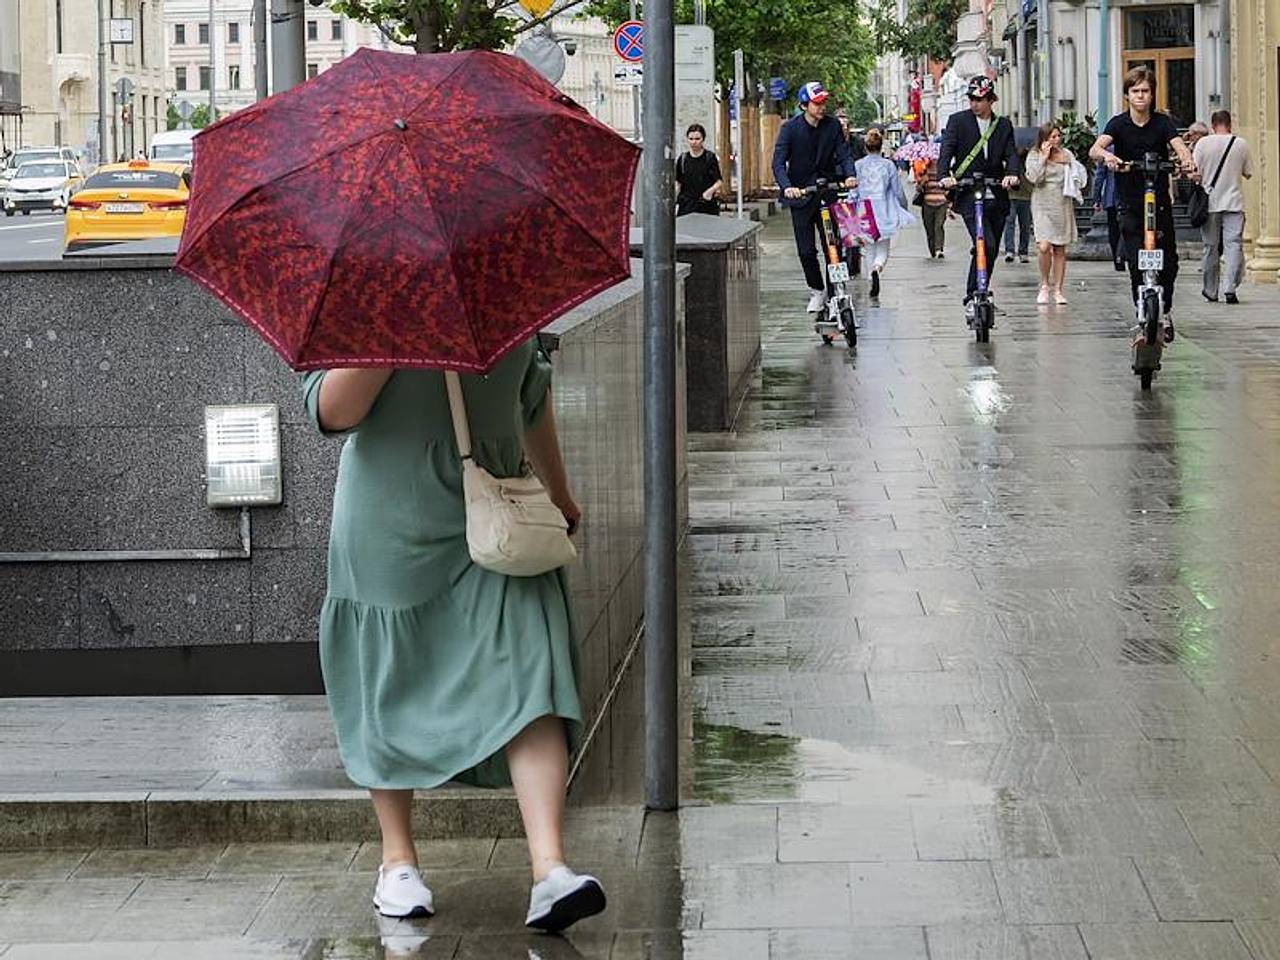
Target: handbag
[
  {"x": 855, "y": 221},
  {"x": 513, "y": 528},
  {"x": 1198, "y": 202}
]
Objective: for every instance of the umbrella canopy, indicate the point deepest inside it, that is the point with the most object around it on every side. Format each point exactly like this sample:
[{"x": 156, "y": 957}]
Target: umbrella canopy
[
  {"x": 917, "y": 150},
  {"x": 410, "y": 211}
]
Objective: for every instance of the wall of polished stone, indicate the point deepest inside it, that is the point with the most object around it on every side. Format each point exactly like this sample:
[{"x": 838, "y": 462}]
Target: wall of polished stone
[{"x": 104, "y": 375}]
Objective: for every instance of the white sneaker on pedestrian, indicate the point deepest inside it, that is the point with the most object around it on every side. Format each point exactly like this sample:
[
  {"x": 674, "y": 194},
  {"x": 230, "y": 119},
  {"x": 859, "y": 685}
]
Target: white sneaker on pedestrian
[
  {"x": 817, "y": 300},
  {"x": 969, "y": 311},
  {"x": 562, "y": 899},
  {"x": 400, "y": 892}
]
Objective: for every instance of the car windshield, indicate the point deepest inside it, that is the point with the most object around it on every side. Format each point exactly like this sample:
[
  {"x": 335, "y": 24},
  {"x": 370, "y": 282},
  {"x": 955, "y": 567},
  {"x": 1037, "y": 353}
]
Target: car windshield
[
  {"x": 33, "y": 170},
  {"x": 27, "y": 156},
  {"x": 171, "y": 151},
  {"x": 132, "y": 179}
]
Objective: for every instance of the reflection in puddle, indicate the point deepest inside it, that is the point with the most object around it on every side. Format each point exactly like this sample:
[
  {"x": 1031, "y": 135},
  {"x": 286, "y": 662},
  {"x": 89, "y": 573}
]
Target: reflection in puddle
[{"x": 987, "y": 395}]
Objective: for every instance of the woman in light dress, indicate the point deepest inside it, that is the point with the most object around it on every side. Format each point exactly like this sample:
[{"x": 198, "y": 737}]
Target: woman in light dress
[
  {"x": 879, "y": 183},
  {"x": 1053, "y": 209}
]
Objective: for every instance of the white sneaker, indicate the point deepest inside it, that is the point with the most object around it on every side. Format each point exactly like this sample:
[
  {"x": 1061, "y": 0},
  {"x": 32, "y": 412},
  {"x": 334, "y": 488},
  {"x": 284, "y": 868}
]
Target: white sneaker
[
  {"x": 969, "y": 311},
  {"x": 400, "y": 892},
  {"x": 562, "y": 899},
  {"x": 817, "y": 300}
]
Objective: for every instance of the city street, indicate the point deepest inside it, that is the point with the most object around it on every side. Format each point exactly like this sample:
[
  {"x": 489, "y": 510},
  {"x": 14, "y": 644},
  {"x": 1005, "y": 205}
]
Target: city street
[
  {"x": 35, "y": 237},
  {"x": 981, "y": 667}
]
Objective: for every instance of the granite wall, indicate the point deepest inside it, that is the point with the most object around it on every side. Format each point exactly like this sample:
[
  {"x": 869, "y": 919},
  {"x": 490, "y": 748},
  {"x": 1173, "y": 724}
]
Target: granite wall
[{"x": 104, "y": 373}]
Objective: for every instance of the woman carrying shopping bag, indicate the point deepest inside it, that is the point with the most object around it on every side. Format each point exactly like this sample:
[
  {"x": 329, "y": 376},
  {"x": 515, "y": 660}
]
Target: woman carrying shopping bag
[
  {"x": 1055, "y": 182},
  {"x": 882, "y": 189}
]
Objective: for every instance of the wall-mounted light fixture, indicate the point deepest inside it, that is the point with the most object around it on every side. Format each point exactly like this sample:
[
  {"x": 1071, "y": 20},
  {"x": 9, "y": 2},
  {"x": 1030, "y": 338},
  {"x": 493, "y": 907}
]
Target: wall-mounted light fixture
[{"x": 242, "y": 455}]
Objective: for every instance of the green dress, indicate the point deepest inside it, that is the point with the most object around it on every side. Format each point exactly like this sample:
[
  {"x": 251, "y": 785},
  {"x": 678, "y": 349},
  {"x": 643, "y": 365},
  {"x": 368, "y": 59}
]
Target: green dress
[{"x": 432, "y": 664}]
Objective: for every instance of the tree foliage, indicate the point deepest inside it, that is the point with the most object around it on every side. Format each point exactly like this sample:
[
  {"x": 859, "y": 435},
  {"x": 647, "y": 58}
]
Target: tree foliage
[
  {"x": 438, "y": 26},
  {"x": 929, "y": 28},
  {"x": 199, "y": 118},
  {"x": 798, "y": 40}
]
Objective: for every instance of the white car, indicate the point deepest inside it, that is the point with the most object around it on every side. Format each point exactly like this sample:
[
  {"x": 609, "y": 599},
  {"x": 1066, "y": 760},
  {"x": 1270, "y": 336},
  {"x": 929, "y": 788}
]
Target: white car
[
  {"x": 41, "y": 185},
  {"x": 27, "y": 154}
]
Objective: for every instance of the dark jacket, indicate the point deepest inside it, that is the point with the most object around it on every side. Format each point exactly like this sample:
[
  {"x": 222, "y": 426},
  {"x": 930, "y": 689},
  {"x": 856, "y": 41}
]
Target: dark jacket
[
  {"x": 804, "y": 154},
  {"x": 962, "y": 135}
]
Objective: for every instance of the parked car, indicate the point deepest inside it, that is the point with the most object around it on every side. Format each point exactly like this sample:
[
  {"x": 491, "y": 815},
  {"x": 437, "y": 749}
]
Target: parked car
[
  {"x": 27, "y": 154},
  {"x": 138, "y": 200},
  {"x": 173, "y": 146},
  {"x": 41, "y": 185}
]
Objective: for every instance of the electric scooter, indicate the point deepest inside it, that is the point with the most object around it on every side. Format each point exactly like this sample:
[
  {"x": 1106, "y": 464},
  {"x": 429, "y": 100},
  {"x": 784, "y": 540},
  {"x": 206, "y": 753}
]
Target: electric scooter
[
  {"x": 838, "y": 317},
  {"x": 1150, "y": 329},
  {"x": 984, "y": 307}
]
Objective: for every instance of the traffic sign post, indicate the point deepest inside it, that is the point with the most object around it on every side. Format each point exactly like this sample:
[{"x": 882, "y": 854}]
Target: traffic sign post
[{"x": 628, "y": 74}]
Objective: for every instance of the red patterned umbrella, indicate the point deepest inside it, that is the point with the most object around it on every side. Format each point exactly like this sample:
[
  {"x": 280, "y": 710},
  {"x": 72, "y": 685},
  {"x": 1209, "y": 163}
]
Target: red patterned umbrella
[{"x": 410, "y": 211}]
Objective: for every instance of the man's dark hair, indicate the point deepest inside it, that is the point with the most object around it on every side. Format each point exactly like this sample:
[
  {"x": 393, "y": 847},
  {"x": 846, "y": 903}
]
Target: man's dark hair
[
  {"x": 1221, "y": 118},
  {"x": 696, "y": 128},
  {"x": 1140, "y": 74}
]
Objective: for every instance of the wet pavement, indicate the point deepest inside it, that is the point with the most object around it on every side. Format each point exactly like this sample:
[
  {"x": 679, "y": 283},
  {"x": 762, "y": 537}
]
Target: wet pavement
[{"x": 980, "y": 669}]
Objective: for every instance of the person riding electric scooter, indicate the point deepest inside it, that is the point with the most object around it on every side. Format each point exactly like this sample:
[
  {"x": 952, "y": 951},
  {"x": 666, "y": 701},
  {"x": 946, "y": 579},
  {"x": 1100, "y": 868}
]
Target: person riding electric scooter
[
  {"x": 811, "y": 147},
  {"x": 977, "y": 141}
]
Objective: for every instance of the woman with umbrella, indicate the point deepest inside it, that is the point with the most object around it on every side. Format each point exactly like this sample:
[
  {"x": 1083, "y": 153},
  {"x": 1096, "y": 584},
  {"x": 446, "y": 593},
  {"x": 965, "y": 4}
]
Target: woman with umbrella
[{"x": 444, "y": 248}]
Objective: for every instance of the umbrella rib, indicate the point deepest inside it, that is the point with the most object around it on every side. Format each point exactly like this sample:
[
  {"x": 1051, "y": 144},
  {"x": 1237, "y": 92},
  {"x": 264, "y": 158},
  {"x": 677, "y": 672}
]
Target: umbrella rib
[{"x": 340, "y": 245}]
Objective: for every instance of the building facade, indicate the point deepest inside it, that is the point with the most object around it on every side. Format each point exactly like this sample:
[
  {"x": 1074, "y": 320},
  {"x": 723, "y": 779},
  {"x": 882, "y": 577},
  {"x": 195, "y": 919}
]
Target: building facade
[
  {"x": 1255, "y": 106},
  {"x": 59, "y": 75}
]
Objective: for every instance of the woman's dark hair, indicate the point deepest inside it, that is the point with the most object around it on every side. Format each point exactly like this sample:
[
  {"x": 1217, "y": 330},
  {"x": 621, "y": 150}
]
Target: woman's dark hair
[
  {"x": 1045, "y": 132},
  {"x": 696, "y": 128},
  {"x": 874, "y": 140}
]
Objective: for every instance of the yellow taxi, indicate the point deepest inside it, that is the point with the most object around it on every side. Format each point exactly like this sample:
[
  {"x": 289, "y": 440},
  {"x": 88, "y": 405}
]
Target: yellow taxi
[{"x": 137, "y": 200}]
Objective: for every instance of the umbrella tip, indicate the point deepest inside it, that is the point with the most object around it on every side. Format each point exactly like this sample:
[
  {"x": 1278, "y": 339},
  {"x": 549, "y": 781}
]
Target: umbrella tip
[{"x": 401, "y": 124}]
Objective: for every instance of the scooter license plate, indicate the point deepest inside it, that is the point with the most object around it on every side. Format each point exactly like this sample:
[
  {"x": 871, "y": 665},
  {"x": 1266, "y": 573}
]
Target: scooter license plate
[
  {"x": 838, "y": 272},
  {"x": 1150, "y": 260}
]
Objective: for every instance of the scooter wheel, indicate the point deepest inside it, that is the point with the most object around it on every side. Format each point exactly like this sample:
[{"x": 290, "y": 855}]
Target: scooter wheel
[
  {"x": 850, "y": 328},
  {"x": 828, "y": 340}
]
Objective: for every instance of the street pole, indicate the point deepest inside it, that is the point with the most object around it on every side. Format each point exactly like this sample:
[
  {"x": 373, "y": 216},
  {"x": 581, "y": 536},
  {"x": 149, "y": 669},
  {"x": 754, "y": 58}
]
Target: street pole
[
  {"x": 739, "y": 80},
  {"x": 288, "y": 44},
  {"x": 635, "y": 95},
  {"x": 260, "y": 49},
  {"x": 103, "y": 99},
  {"x": 661, "y": 714},
  {"x": 213, "y": 71},
  {"x": 1104, "y": 56},
  {"x": 1043, "y": 48}
]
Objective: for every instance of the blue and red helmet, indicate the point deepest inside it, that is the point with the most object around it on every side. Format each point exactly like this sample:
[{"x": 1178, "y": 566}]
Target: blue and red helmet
[{"x": 812, "y": 92}]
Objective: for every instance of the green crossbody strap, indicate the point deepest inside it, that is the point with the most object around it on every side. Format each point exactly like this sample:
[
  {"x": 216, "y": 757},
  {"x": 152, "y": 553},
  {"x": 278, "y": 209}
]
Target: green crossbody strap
[{"x": 977, "y": 147}]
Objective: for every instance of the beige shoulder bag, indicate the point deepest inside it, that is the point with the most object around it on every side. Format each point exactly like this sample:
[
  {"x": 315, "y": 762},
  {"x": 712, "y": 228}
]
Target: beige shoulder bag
[{"x": 513, "y": 528}]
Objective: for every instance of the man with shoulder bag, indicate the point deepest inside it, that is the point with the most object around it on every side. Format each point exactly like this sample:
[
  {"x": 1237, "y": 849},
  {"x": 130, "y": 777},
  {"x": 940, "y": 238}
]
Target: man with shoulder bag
[{"x": 1225, "y": 159}]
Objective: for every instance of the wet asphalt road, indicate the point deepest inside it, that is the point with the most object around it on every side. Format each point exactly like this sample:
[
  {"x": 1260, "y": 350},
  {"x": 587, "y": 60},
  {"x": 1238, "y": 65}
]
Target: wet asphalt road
[{"x": 37, "y": 236}]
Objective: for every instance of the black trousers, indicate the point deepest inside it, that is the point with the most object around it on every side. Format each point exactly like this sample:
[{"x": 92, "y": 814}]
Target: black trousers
[
  {"x": 1131, "y": 231},
  {"x": 994, "y": 214},
  {"x": 806, "y": 221},
  {"x": 1113, "y": 233}
]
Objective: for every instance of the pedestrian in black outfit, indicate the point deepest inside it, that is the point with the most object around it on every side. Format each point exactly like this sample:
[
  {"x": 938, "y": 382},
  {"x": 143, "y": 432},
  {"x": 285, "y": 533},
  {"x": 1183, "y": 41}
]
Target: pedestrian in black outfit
[
  {"x": 698, "y": 177},
  {"x": 1132, "y": 135},
  {"x": 1104, "y": 198},
  {"x": 810, "y": 147},
  {"x": 979, "y": 134}
]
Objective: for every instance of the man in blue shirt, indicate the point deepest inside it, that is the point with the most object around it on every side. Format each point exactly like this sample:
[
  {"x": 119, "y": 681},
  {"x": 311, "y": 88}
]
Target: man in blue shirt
[{"x": 810, "y": 146}]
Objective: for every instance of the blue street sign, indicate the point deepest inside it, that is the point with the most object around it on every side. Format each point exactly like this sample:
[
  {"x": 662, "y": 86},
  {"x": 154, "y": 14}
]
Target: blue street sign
[
  {"x": 777, "y": 88},
  {"x": 628, "y": 41},
  {"x": 733, "y": 102}
]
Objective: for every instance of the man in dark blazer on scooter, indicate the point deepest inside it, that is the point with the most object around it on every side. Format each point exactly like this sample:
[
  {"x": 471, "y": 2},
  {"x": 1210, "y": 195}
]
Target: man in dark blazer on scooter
[{"x": 996, "y": 157}]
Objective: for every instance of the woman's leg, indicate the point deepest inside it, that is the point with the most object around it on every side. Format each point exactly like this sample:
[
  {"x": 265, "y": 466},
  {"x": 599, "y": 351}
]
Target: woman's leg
[
  {"x": 1059, "y": 270},
  {"x": 539, "y": 762},
  {"x": 394, "y": 809},
  {"x": 1045, "y": 257}
]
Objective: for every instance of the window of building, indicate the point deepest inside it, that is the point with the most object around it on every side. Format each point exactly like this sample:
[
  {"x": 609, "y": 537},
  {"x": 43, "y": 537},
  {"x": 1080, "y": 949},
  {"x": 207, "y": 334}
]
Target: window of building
[
  {"x": 204, "y": 78},
  {"x": 313, "y": 30},
  {"x": 335, "y": 29},
  {"x": 204, "y": 34},
  {"x": 233, "y": 78},
  {"x": 142, "y": 34},
  {"x": 233, "y": 32},
  {"x": 313, "y": 70},
  {"x": 180, "y": 78},
  {"x": 179, "y": 34},
  {"x": 58, "y": 14}
]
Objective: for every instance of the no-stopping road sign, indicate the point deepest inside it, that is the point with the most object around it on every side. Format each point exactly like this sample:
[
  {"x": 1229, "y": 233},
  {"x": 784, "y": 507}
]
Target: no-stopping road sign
[{"x": 628, "y": 41}]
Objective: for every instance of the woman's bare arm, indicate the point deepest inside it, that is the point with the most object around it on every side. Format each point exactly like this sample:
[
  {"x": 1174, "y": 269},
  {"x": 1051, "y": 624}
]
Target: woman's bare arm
[
  {"x": 348, "y": 394},
  {"x": 542, "y": 447}
]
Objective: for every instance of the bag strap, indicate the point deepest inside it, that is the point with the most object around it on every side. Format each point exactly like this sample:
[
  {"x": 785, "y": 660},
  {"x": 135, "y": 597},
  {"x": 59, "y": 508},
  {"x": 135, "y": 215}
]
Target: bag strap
[
  {"x": 977, "y": 147},
  {"x": 458, "y": 409},
  {"x": 1221, "y": 163}
]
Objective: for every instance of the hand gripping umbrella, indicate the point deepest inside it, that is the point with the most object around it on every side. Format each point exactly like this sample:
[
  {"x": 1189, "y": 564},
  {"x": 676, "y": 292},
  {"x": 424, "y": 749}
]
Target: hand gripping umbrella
[{"x": 410, "y": 211}]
